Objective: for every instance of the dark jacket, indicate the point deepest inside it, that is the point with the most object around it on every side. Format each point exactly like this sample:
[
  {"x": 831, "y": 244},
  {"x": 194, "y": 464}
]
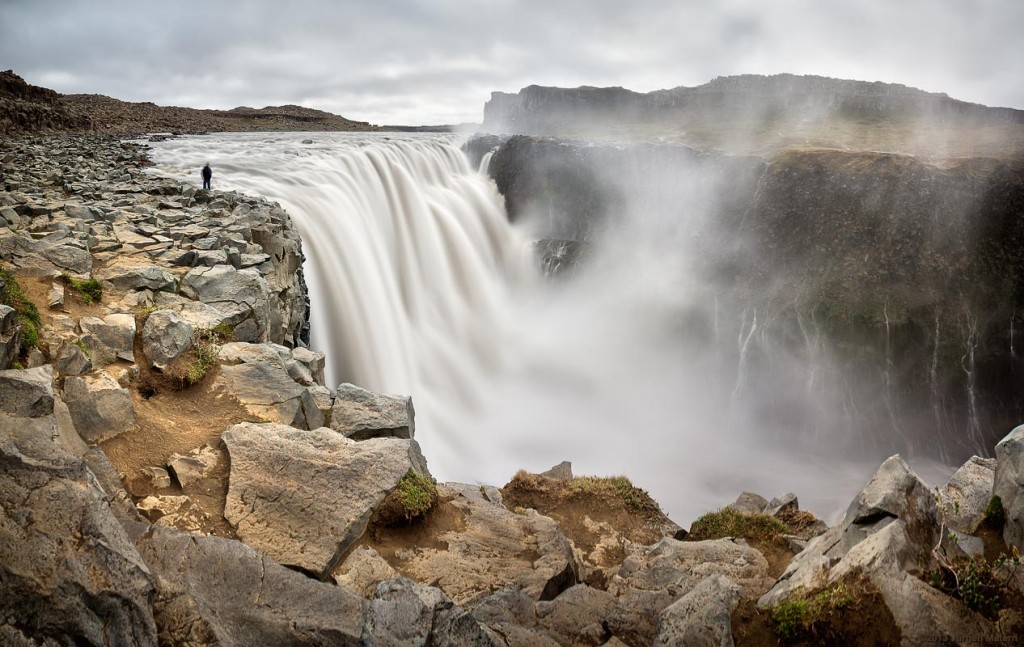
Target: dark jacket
[{"x": 207, "y": 173}]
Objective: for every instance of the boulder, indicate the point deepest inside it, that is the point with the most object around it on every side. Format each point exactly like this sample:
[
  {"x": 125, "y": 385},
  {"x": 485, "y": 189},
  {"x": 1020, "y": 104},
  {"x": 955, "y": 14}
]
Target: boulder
[
  {"x": 165, "y": 337},
  {"x": 887, "y": 535},
  {"x": 72, "y": 360},
  {"x": 509, "y": 606},
  {"x": 69, "y": 257},
  {"x": 363, "y": 570},
  {"x": 27, "y": 393},
  {"x": 680, "y": 565},
  {"x": 965, "y": 497},
  {"x": 361, "y": 414},
  {"x": 492, "y": 547},
  {"x": 126, "y": 276},
  {"x": 560, "y": 472},
  {"x": 242, "y": 295},
  {"x": 109, "y": 339},
  {"x": 304, "y": 497},
  {"x": 651, "y": 578},
  {"x": 749, "y": 502},
  {"x": 702, "y": 617},
  {"x": 99, "y": 407},
  {"x": 782, "y": 504},
  {"x": 314, "y": 361},
  {"x": 402, "y": 612},
  {"x": 197, "y": 465},
  {"x": 894, "y": 517},
  {"x": 214, "y": 591},
  {"x": 578, "y": 616},
  {"x": 55, "y": 299},
  {"x": 266, "y": 391},
  {"x": 45, "y": 257},
  {"x": 69, "y": 575},
  {"x": 1009, "y": 485},
  {"x": 10, "y": 337},
  {"x": 323, "y": 397},
  {"x": 158, "y": 477}
]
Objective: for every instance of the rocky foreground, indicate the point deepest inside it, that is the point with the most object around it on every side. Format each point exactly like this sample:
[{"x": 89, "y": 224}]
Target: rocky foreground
[{"x": 176, "y": 472}]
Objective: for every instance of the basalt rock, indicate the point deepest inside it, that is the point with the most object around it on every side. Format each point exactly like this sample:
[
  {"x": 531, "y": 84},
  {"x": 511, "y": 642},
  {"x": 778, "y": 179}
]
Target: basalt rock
[
  {"x": 68, "y": 572},
  {"x": 304, "y": 497},
  {"x": 491, "y": 548},
  {"x": 215, "y": 592},
  {"x": 100, "y": 407},
  {"x": 360, "y": 414},
  {"x": 165, "y": 337}
]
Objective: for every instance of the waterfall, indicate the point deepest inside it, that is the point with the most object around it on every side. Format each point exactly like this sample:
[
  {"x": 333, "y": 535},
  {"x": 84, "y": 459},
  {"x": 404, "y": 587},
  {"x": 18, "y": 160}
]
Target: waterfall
[
  {"x": 409, "y": 256},
  {"x": 419, "y": 285}
]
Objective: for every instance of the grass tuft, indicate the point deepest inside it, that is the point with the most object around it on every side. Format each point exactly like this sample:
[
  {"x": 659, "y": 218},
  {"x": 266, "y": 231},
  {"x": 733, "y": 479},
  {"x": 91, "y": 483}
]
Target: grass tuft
[
  {"x": 728, "y": 522},
  {"x": 195, "y": 363},
  {"x": 90, "y": 289},
  {"x": 619, "y": 487},
  {"x": 803, "y": 616},
  {"x": 225, "y": 332}
]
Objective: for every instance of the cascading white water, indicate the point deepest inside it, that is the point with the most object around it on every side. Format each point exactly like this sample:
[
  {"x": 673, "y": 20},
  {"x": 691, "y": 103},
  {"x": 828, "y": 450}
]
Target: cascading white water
[
  {"x": 410, "y": 259},
  {"x": 419, "y": 285}
]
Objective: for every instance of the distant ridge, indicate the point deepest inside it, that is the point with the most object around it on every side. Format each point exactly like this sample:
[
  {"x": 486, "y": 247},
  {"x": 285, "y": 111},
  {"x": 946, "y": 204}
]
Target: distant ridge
[
  {"x": 752, "y": 111},
  {"x": 25, "y": 108}
]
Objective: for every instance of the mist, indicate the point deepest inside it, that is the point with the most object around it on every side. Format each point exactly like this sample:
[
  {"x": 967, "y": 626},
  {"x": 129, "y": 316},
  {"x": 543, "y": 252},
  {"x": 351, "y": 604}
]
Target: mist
[{"x": 645, "y": 361}]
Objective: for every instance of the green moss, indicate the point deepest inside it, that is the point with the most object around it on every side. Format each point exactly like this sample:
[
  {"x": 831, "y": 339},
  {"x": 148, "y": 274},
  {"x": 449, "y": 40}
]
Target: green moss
[
  {"x": 802, "y": 616},
  {"x": 728, "y": 522},
  {"x": 82, "y": 346},
  {"x": 12, "y": 295},
  {"x": 994, "y": 514},
  {"x": 90, "y": 289},
  {"x": 224, "y": 331},
  {"x": 416, "y": 493},
  {"x": 415, "y": 496},
  {"x": 618, "y": 487}
]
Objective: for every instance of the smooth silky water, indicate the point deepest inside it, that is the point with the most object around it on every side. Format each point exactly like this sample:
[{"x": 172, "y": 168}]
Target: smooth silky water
[{"x": 419, "y": 285}]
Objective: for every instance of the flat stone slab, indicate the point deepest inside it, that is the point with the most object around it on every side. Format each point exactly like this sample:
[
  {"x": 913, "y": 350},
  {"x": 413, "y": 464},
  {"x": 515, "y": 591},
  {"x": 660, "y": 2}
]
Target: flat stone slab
[
  {"x": 491, "y": 548},
  {"x": 304, "y": 497},
  {"x": 267, "y": 391},
  {"x": 361, "y": 414},
  {"x": 216, "y": 591}
]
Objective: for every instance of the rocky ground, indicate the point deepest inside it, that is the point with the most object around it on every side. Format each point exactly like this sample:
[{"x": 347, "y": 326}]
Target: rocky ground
[{"x": 176, "y": 472}]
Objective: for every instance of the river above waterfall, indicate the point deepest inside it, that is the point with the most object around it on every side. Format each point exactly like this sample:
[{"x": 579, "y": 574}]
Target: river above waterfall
[{"x": 419, "y": 285}]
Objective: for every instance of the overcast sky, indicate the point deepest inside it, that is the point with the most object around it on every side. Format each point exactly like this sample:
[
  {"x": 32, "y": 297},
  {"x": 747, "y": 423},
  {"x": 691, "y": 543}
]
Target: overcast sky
[{"x": 437, "y": 61}]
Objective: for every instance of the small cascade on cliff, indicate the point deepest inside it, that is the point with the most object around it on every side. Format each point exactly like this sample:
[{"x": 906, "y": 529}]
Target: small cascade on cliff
[{"x": 485, "y": 162}]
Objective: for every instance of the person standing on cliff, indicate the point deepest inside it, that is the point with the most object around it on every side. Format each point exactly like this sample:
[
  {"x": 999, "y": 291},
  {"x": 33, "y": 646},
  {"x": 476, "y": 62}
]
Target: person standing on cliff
[{"x": 207, "y": 175}]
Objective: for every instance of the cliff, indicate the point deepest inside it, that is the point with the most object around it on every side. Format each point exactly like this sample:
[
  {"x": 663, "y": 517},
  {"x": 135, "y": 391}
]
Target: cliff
[
  {"x": 758, "y": 114},
  {"x": 909, "y": 275}
]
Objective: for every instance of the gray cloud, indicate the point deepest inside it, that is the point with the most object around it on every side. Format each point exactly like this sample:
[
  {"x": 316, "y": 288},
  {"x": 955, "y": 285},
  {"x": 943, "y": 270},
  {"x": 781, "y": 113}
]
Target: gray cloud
[{"x": 434, "y": 61}]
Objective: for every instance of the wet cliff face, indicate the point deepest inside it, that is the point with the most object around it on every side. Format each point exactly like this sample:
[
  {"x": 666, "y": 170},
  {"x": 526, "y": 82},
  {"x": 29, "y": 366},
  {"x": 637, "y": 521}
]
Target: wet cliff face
[{"x": 891, "y": 289}]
